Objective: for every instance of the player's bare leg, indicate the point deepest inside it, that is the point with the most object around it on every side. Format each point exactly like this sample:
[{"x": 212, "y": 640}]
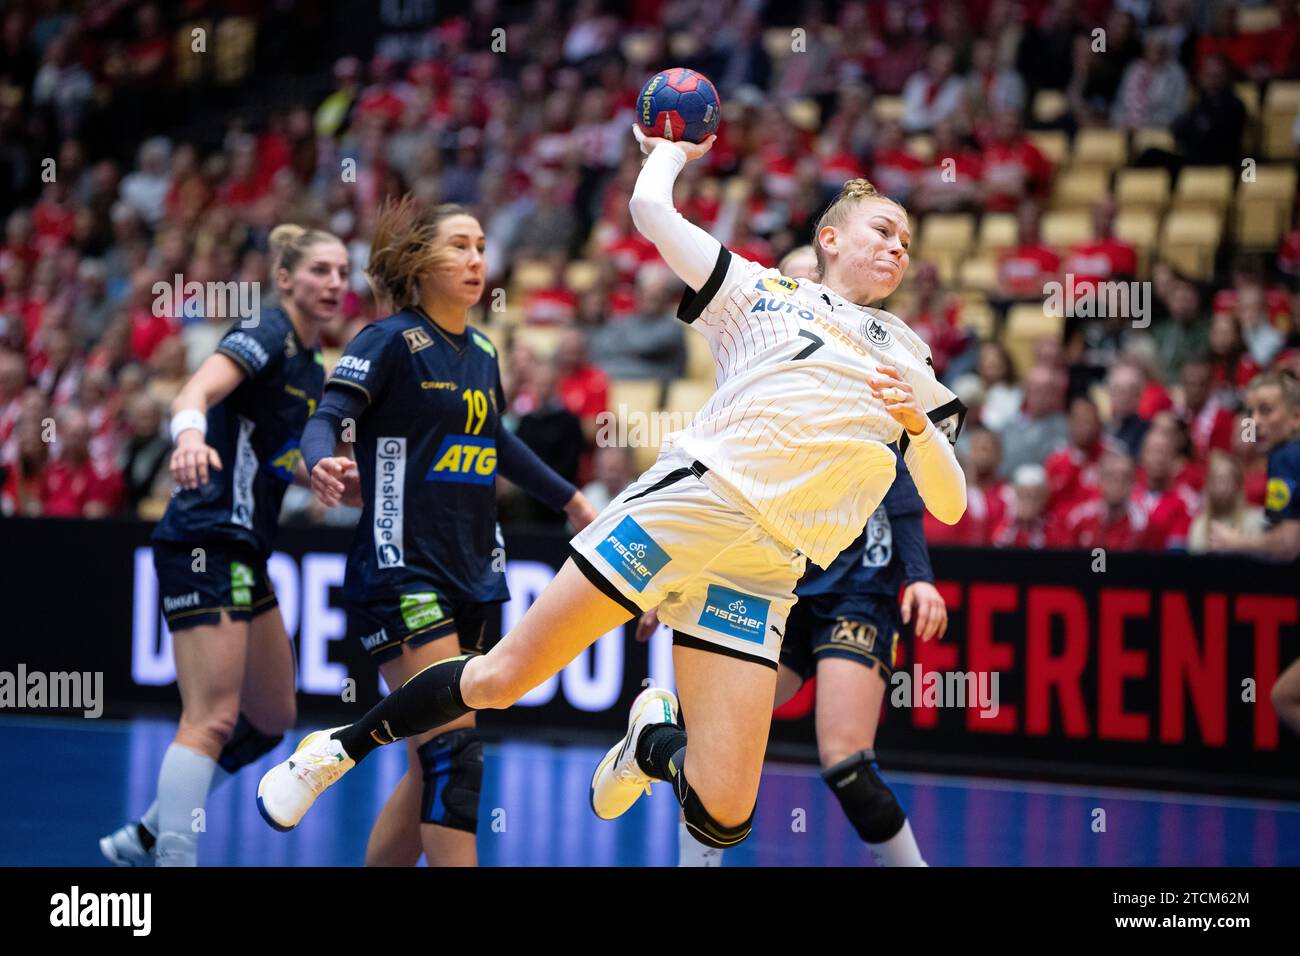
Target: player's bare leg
[{"x": 400, "y": 834}]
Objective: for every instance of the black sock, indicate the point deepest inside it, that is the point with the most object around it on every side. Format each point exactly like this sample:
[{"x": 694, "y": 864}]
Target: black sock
[
  {"x": 429, "y": 699},
  {"x": 147, "y": 839},
  {"x": 661, "y": 751}
]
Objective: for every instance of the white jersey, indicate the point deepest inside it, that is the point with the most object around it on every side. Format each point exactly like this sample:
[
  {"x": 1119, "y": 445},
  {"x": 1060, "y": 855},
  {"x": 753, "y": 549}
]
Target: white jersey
[{"x": 793, "y": 429}]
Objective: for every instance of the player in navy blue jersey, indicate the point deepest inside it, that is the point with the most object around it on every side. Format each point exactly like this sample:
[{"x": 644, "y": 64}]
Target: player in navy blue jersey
[
  {"x": 236, "y": 426},
  {"x": 421, "y": 393},
  {"x": 1274, "y": 402}
]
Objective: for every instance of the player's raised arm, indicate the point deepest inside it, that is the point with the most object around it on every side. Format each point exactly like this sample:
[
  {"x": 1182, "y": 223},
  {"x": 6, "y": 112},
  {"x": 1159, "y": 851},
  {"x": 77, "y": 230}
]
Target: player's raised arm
[{"x": 689, "y": 251}]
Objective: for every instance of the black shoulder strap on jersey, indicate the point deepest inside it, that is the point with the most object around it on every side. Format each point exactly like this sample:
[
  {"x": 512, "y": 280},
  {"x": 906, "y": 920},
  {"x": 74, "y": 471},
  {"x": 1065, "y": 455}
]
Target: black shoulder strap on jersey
[
  {"x": 948, "y": 418},
  {"x": 693, "y": 302}
]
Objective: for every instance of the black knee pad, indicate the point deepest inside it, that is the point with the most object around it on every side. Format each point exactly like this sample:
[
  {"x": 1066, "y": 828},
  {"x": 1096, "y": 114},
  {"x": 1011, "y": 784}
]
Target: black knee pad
[
  {"x": 701, "y": 823},
  {"x": 246, "y": 744},
  {"x": 452, "y": 765},
  {"x": 867, "y": 800}
]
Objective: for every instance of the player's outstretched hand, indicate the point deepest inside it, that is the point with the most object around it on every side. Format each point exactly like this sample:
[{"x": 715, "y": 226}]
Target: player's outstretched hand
[
  {"x": 580, "y": 511},
  {"x": 901, "y": 404},
  {"x": 329, "y": 477},
  {"x": 647, "y": 624},
  {"x": 923, "y": 601},
  {"x": 192, "y": 459},
  {"x": 692, "y": 150}
]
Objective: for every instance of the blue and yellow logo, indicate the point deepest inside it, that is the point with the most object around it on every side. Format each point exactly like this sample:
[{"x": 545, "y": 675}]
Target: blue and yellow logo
[
  {"x": 465, "y": 459},
  {"x": 778, "y": 285},
  {"x": 284, "y": 463},
  {"x": 1278, "y": 495}
]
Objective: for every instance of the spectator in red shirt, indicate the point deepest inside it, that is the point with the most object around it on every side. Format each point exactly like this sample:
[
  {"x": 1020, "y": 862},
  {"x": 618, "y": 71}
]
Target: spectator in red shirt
[
  {"x": 987, "y": 495},
  {"x": 1169, "y": 506},
  {"x": 1072, "y": 471},
  {"x": 1231, "y": 367},
  {"x": 1110, "y": 518},
  {"x": 1104, "y": 258},
  {"x": 894, "y": 170},
  {"x": 934, "y": 315},
  {"x": 952, "y": 181},
  {"x": 1026, "y": 524},
  {"x": 72, "y": 487},
  {"x": 1024, "y": 271},
  {"x": 1208, "y": 421},
  {"x": 582, "y": 387},
  {"x": 1014, "y": 168}
]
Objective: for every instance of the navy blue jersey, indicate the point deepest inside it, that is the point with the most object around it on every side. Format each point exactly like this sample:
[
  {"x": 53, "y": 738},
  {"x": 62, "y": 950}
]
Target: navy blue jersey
[
  {"x": 426, "y": 449},
  {"x": 889, "y": 553},
  {"x": 255, "y": 429},
  {"x": 1280, "y": 502}
]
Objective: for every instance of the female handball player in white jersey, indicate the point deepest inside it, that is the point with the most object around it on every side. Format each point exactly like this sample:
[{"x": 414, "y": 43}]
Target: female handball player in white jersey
[{"x": 784, "y": 464}]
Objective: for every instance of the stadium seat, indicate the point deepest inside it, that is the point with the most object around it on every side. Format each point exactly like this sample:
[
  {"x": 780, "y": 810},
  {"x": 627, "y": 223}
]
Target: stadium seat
[
  {"x": 1281, "y": 101},
  {"x": 921, "y": 146},
  {"x": 530, "y": 274},
  {"x": 1248, "y": 93},
  {"x": 1277, "y": 182},
  {"x": 700, "y": 366},
  {"x": 1145, "y": 188},
  {"x": 687, "y": 397},
  {"x": 947, "y": 232},
  {"x": 1144, "y": 139},
  {"x": 1259, "y": 224},
  {"x": 580, "y": 275},
  {"x": 979, "y": 318},
  {"x": 1079, "y": 187},
  {"x": 885, "y": 108},
  {"x": 189, "y": 64},
  {"x": 979, "y": 273},
  {"x": 1062, "y": 228},
  {"x": 542, "y": 339},
  {"x": 1050, "y": 106},
  {"x": 1052, "y": 143},
  {"x": 235, "y": 40},
  {"x": 1257, "y": 19},
  {"x": 1027, "y": 323},
  {"x": 998, "y": 231},
  {"x": 805, "y": 114},
  {"x": 778, "y": 42},
  {"x": 1190, "y": 239},
  {"x": 1140, "y": 227},
  {"x": 1105, "y": 148},
  {"x": 1203, "y": 187}
]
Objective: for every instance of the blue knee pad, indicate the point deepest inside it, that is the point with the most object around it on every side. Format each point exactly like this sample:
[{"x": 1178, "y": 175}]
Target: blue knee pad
[
  {"x": 700, "y": 822},
  {"x": 246, "y": 744},
  {"x": 452, "y": 766},
  {"x": 867, "y": 800}
]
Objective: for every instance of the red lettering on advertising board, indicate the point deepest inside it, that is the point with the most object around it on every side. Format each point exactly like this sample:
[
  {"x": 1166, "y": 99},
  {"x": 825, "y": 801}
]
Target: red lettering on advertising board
[
  {"x": 1267, "y": 614},
  {"x": 1116, "y": 664},
  {"x": 1201, "y": 668},
  {"x": 1058, "y": 676},
  {"x": 984, "y": 655}
]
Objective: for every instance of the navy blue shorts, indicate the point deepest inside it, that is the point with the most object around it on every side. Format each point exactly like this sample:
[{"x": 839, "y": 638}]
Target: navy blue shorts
[
  {"x": 858, "y": 627},
  {"x": 419, "y": 617},
  {"x": 224, "y": 576}
]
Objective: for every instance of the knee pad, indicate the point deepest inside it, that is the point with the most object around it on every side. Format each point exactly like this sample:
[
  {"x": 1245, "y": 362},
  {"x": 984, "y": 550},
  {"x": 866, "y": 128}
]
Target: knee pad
[
  {"x": 701, "y": 823},
  {"x": 452, "y": 766},
  {"x": 867, "y": 800},
  {"x": 246, "y": 744}
]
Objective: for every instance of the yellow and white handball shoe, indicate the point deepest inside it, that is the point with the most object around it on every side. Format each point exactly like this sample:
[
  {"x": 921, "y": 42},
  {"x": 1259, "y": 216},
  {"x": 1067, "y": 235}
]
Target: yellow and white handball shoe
[
  {"x": 287, "y": 791},
  {"x": 619, "y": 780}
]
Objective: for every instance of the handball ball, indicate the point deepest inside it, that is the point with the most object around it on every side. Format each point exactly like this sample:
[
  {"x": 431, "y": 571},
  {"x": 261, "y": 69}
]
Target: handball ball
[{"x": 680, "y": 105}]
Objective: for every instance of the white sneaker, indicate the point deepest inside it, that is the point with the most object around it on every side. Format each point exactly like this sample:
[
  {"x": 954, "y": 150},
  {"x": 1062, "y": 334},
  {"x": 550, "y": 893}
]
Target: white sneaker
[
  {"x": 619, "y": 781},
  {"x": 123, "y": 847},
  {"x": 287, "y": 791}
]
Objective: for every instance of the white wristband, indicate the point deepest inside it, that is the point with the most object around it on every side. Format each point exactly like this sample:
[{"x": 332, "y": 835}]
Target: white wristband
[{"x": 186, "y": 419}]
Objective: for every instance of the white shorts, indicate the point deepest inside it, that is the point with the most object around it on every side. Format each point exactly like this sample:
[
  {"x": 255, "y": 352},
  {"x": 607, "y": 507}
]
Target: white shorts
[{"x": 670, "y": 541}]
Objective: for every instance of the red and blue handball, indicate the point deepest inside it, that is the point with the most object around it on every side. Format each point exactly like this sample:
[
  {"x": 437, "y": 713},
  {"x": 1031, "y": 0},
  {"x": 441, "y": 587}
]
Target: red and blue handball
[{"x": 679, "y": 105}]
